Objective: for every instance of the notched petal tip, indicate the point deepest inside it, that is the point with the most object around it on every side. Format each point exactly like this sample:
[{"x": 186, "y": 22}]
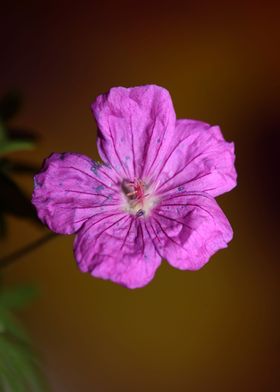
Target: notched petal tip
[{"x": 135, "y": 126}]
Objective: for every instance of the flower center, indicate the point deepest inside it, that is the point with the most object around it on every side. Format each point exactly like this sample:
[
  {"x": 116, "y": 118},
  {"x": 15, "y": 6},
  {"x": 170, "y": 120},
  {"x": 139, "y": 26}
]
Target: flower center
[{"x": 138, "y": 197}]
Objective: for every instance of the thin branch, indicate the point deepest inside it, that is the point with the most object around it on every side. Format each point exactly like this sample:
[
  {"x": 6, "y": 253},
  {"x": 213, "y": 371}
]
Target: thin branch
[{"x": 13, "y": 257}]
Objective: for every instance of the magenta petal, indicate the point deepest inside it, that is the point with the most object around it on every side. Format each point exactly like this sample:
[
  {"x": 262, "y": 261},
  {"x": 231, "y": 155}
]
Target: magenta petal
[
  {"x": 200, "y": 160},
  {"x": 135, "y": 125},
  {"x": 117, "y": 247},
  {"x": 187, "y": 230},
  {"x": 70, "y": 189}
]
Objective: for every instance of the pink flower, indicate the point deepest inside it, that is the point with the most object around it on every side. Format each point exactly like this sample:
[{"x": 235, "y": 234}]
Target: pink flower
[{"x": 151, "y": 198}]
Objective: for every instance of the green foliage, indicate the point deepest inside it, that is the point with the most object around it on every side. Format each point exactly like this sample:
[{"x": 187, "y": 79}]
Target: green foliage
[
  {"x": 8, "y": 144},
  {"x": 12, "y": 198},
  {"x": 16, "y": 145},
  {"x": 18, "y": 297},
  {"x": 19, "y": 367}
]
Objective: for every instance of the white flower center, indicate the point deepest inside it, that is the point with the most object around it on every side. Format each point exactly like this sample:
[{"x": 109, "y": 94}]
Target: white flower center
[{"x": 139, "y": 198}]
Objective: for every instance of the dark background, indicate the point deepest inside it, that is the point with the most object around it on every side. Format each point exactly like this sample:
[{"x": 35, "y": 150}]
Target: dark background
[{"x": 213, "y": 330}]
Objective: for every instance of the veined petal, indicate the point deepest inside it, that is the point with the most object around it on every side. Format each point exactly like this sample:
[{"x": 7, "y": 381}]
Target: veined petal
[
  {"x": 188, "y": 229},
  {"x": 70, "y": 189},
  {"x": 199, "y": 160},
  {"x": 135, "y": 127},
  {"x": 117, "y": 247}
]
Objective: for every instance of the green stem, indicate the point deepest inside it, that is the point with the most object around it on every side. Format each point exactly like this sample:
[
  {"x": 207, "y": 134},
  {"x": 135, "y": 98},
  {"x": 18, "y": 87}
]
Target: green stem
[{"x": 13, "y": 257}]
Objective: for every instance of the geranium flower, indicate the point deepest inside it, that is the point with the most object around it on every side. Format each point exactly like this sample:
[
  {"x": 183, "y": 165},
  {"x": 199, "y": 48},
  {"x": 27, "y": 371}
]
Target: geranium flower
[{"x": 151, "y": 198}]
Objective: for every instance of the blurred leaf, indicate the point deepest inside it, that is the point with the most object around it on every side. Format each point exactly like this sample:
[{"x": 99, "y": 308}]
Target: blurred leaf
[
  {"x": 10, "y": 105},
  {"x": 15, "y": 145},
  {"x": 19, "y": 367},
  {"x": 13, "y": 139},
  {"x": 17, "y": 297},
  {"x": 13, "y": 200},
  {"x": 11, "y": 327},
  {"x": 8, "y": 381}
]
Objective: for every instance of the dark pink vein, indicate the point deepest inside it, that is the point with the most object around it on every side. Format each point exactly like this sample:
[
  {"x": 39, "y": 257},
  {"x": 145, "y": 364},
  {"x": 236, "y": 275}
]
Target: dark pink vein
[
  {"x": 113, "y": 224},
  {"x": 168, "y": 237},
  {"x": 142, "y": 237},
  {"x": 187, "y": 205},
  {"x": 93, "y": 178},
  {"x": 184, "y": 183},
  {"x": 107, "y": 175},
  {"x": 171, "y": 153},
  {"x": 132, "y": 145},
  {"x": 88, "y": 193},
  {"x": 113, "y": 141},
  {"x": 159, "y": 148},
  {"x": 188, "y": 194},
  {"x": 106, "y": 156},
  {"x": 104, "y": 217},
  {"x": 127, "y": 233},
  {"x": 148, "y": 146},
  {"x": 85, "y": 207},
  {"x": 149, "y": 234},
  {"x": 181, "y": 170},
  {"x": 175, "y": 220}
]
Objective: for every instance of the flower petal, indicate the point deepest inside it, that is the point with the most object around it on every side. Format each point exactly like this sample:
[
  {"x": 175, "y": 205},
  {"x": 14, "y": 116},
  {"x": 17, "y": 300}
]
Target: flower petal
[
  {"x": 70, "y": 189},
  {"x": 117, "y": 247},
  {"x": 199, "y": 159},
  {"x": 135, "y": 127},
  {"x": 188, "y": 229}
]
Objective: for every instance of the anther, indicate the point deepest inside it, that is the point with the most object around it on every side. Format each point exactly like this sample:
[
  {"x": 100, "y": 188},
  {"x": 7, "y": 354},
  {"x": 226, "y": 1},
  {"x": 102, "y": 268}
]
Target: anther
[{"x": 140, "y": 213}]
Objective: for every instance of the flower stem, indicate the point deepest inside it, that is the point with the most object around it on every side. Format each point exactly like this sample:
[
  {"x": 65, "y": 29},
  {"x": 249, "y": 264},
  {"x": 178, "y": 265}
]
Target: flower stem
[{"x": 13, "y": 257}]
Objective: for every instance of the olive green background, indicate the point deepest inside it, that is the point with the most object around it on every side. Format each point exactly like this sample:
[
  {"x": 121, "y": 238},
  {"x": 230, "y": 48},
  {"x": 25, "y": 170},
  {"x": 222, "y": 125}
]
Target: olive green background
[{"x": 212, "y": 330}]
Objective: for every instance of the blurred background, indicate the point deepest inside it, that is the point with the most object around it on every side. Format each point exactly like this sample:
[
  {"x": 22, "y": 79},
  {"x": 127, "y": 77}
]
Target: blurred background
[{"x": 212, "y": 330}]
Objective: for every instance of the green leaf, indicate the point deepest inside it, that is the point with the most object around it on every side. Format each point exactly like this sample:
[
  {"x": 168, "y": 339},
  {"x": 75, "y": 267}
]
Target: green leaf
[
  {"x": 7, "y": 146},
  {"x": 8, "y": 381},
  {"x": 17, "y": 297},
  {"x": 11, "y": 327},
  {"x": 21, "y": 367},
  {"x": 13, "y": 139}
]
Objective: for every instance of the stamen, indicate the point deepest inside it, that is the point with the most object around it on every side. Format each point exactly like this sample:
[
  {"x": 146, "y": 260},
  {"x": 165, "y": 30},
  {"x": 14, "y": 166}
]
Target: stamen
[
  {"x": 138, "y": 197},
  {"x": 134, "y": 190},
  {"x": 140, "y": 213},
  {"x": 131, "y": 193}
]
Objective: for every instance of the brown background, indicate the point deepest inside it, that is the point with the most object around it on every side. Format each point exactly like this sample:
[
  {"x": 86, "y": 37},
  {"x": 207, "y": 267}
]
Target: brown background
[{"x": 213, "y": 330}]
